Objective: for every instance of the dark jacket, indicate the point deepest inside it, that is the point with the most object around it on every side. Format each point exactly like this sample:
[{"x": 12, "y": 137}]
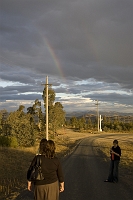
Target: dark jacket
[
  {"x": 51, "y": 169},
  {"x": 116, "y": 150}
]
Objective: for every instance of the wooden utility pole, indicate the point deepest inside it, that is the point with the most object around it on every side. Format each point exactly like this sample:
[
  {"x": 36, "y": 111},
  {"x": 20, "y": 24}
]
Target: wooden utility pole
[
  {"x": 97, "y": 104},
  {"x": 46, "y": 89},
  {"x": 47, "y": 107}
]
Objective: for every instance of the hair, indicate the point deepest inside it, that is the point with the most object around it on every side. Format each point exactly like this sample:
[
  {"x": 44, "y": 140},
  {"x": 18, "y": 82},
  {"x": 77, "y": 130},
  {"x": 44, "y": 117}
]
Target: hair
[
  {"x": 42, "y": 147},
  {"x": 115, "y": 141},
  {"x": 50, "y": 149}
]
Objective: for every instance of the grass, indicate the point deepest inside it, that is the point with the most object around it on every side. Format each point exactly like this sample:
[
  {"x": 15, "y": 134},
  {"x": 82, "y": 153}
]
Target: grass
[
  {"x": 126, "y": 162},
  {"x": 126, "y": 146},
  {"x": 13, "y": 169},
  {"x": 14, "y": 162}
]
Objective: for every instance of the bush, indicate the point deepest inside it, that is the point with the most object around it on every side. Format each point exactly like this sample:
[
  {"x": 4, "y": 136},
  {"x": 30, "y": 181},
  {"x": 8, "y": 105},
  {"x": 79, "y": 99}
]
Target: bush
[
  {"x": 106, "y": 129},
  {"x": 6, "y": 141},
  {"x": 13, "y": 142}
]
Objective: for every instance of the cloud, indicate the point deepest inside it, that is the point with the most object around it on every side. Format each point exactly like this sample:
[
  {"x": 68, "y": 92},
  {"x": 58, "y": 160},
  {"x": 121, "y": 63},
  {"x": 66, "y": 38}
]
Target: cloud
[{"x": 71, "y": 42}]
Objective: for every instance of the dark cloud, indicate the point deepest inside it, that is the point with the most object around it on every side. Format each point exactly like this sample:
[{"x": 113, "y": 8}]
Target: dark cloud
[
  {"x": 69, "y": 41},
  {"x": 125, "y": 99}
]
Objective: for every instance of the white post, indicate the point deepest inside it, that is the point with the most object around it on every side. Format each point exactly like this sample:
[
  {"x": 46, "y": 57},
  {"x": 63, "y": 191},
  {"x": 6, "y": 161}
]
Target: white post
[{"x": 100, "y": 123}]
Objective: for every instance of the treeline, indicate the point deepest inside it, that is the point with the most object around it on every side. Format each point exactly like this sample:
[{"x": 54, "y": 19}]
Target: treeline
[
  {"x": 117, "y": 124},
  {"x": 23, "y": 129},
  {"x": 108, "y": 124}
]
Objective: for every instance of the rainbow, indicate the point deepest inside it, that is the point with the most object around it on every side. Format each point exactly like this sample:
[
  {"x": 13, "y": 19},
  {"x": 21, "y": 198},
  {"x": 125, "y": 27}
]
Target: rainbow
[{"x": 55, "y": 58}]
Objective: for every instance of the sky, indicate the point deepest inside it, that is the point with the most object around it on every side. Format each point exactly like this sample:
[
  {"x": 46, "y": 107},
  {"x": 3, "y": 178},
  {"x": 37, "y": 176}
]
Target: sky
[{"x": 84, "y": 47}]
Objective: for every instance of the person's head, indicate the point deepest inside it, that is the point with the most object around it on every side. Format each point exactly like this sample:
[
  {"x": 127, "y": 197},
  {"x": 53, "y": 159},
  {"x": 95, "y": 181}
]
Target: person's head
[
  {"x": 42, "y": 147},
  {"x": 50, "y": 149},
  {"x": 115, "y": 143}
]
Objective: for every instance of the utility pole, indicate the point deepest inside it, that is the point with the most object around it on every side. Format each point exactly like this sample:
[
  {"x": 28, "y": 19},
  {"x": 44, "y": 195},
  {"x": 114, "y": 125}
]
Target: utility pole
[
  {"x": 47, "y": 107},
  {"x": 97, "y": 104},
  {"x": 46, "y": 87}
]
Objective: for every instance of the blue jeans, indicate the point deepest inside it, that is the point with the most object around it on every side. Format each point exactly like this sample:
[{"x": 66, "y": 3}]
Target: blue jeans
[{"x": 113, "y": 171}]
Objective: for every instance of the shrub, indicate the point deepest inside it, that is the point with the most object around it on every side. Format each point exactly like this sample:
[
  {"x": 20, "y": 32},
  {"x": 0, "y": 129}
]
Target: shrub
[
  {"x": 6, "y": 141},
  {"x": 13, "y": 142}
]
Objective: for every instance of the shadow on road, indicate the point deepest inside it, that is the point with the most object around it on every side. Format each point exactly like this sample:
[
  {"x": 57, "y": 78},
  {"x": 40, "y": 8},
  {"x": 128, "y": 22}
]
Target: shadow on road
[{"x": 25, "y": 195}]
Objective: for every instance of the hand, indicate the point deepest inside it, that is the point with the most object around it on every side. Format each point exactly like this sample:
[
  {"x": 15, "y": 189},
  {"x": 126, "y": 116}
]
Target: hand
[
  {"x": 61, "y": 187},
  {"x": 29, "y": 186}
]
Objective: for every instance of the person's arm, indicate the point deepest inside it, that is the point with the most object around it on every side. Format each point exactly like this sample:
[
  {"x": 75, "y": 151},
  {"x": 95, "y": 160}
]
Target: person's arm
[
  {"x": 61, "y": 187},
  {"x": 60, "y": 176},
  {"x": 29, "y": 185},
  {"x": 117, "y": 154}
]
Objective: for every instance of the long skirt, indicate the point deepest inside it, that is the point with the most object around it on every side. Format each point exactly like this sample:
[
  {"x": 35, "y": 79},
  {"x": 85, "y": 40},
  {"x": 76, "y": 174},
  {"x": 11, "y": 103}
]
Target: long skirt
[{"x": 47, "y": 192}]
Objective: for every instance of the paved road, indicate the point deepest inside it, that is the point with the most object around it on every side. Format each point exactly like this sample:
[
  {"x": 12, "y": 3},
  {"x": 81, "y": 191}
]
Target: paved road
[{"x": 85, "y": 172}]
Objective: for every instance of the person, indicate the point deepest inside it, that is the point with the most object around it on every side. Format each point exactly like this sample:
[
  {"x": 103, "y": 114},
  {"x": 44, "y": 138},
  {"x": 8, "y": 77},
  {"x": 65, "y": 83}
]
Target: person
[
  {"x": 42, "y": 146},
  {"x": 53, "y": 183},
  {"x": 115, "y": 153}
]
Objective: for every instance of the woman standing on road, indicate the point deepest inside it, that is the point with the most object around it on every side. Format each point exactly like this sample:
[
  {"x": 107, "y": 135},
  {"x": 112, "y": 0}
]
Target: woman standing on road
[
  {"x": 115, "y": 152},
  {"x": 53, "y": 183}
]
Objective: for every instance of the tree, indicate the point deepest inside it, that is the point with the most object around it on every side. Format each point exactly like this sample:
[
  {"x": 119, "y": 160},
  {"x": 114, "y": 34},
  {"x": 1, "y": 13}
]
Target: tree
[
  {"x": 51, "y": 98},
  {"x": 89, "y": 123},
  {"x": 1, "y": 116},
  {"x": 21, "y": 108},
  {"x": 73, "y": 122},
  {"x": 82, "y": 123},
  {"x": 21, "y": 126},
  {"x": 35, "y": 109},
  {"x": 30, "y": 110},
  {"x": 36, "y": 112},
  {"x": 56, "y": 116}
]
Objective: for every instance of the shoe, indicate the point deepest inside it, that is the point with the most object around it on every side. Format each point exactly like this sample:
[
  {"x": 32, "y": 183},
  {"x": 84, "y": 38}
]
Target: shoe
[{"x": 106, "y": 180}]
